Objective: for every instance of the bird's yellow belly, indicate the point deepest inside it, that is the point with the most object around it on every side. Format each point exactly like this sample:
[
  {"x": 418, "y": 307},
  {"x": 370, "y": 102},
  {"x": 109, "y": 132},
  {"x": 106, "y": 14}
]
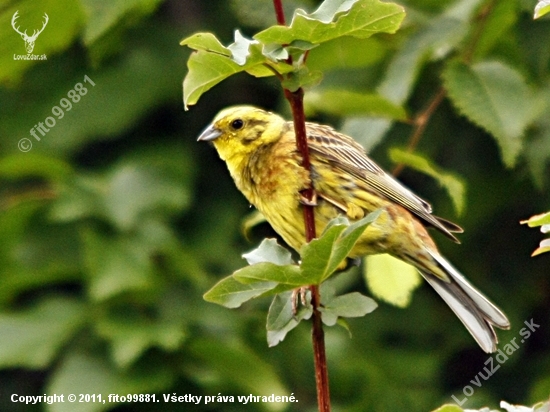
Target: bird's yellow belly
[{"x": 289, "y": 224}]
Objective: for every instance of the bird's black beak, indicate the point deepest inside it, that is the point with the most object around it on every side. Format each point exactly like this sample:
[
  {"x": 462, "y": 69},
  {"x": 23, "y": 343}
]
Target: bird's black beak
[{"x": 209, "y": 134}]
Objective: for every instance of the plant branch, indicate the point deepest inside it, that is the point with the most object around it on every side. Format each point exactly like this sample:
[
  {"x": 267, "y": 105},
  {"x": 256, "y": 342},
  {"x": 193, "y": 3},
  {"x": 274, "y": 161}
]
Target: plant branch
[
  {"x": 481, "y": 18},
  {"x": 296, "y": 100},
  {"x": 420, "y": 122},
  {"x": 279, "y": 12}
]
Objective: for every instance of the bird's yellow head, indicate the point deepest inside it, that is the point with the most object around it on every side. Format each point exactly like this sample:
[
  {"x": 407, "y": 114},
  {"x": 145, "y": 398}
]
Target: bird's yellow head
[{"x": 238, "y": 131}]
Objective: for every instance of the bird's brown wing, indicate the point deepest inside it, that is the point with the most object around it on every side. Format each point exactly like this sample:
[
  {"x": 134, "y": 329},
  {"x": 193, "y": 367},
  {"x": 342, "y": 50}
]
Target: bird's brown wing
[{"x": 345, "y": 153}]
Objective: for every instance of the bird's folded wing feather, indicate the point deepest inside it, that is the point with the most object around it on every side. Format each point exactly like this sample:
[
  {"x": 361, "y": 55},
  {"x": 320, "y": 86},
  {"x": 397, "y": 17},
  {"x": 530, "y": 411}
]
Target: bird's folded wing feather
[{"x": 345, "y": 153}]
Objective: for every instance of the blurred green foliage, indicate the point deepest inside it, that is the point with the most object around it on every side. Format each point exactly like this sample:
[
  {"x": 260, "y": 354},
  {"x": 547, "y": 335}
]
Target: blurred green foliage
[{"x": 116, "y": 222}]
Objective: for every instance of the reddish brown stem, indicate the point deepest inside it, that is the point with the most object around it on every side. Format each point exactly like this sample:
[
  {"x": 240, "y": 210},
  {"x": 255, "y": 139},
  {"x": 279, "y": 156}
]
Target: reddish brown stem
[
  {"x": 319, "y": 354},
  {"x": 279, "y": 12},
  {"x": 296, "y": 100}
]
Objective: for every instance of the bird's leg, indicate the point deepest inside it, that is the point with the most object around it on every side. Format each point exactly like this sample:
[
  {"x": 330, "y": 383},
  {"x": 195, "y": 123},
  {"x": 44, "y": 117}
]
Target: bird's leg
[
  {"x": 305, "y": 201},
  {"x": 300, "y": 293}
]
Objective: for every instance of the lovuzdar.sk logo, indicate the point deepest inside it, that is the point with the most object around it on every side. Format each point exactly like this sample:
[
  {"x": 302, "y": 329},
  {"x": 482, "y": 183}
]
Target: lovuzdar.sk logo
[{"x": 28, "y": 39}]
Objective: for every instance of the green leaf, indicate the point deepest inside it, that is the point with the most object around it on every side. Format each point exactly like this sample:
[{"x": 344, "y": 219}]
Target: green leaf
[
  {"x": 351, "y": 305},
  {"x": 103, "y": 17},
  {"x": 544, "y": 247},
  {"x": 495, "y": 97},
  {"x": 542, "y": 220},
  {"x": 134, "y": 190},
  {"x": 212, "y": 63},
  {"x": 542, "y": 406},
  {"x": 449, "y": 408},
  {"x": 454, "y": 185},
  {"x": 270, "y": 272},
  {"x": 335, "y": 18},
  {"x": 281, "y": 319},
  {"x": 205, "y": 71},
  {"x": 328, "y": 10},
  {"x": 23, "y": 165},
  {"x": 229, "y": 363},
  {"x": 502, "y": 17},
  {"x": 269, "y": 251},
  {"x": 303, "y": 77},
  {"x": 116, "y": 265},
  {"x": 391, "y": 279},
  {"x": 206, "y": 42},
  {"x": 346, "y": 53},
  {"x": 542, "y": 8},
  {"x": 321, "y": 257},
  {"x": 344, "y": 103},
  {"x": 515, "y": 408},
  {"x": 432, "y": 42},
  {"x": 32, "y": 338},
  {"x": 231, "y": 293},
  {"x": 366, "y": 130},
  {"x": 83, "y": 373},
  {"x": 130, "y": 338},
  {"x": 240, "y": 48},
  {"x": 538, "y": 220}
]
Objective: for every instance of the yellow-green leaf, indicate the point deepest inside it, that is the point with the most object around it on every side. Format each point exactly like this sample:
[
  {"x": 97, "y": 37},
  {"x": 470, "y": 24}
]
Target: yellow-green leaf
[
  {"x": 454, "y": 185},
  {"x": 391, "y": 279},
  {"x": 334, "y": 18},
  {"x": 346, "y": 102},
  {"x": 542, "y": 8}
]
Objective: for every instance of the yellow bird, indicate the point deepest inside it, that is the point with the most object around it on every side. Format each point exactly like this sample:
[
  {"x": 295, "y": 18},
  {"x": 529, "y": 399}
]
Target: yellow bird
[{"x": 259, "y": 149}]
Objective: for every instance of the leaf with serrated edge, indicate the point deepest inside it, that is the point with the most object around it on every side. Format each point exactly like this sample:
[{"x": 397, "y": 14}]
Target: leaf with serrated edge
[
  {"x": 269, "y": 251},
  {"x": 391, "y": 279},
  {"x": 231, "y": 293},
  {"x": 454, "y": 185},
  {"x": 495, "y": 97},
  {"x": 362, "y": 20}
]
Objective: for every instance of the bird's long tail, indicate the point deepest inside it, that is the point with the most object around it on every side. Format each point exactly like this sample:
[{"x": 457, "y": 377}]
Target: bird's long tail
[{"x": 475, "y": 311}]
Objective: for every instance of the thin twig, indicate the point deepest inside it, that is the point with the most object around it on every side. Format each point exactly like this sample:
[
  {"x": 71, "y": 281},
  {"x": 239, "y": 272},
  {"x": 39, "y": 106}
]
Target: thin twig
[
  {"x": 420, "y": 122},
  {"x": 481, "y": 18}
]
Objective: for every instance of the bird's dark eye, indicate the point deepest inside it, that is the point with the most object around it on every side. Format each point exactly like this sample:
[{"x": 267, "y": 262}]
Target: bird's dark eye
[{"x": 237, "y": 124}]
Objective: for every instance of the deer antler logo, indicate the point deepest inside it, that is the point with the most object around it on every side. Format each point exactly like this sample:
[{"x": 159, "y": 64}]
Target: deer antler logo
[{"x": 29, "y": 40}]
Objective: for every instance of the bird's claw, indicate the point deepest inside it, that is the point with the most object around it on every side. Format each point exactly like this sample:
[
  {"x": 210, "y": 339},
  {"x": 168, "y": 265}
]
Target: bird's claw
[
  {"x": 300, "y": 293},
  {"x": 309, "y": 202}
]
